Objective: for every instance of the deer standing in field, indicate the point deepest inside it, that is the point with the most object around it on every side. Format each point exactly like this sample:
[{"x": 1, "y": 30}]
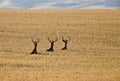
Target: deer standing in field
[
  {"x": 51, "y": 49},
  {"x": 35, "y": 42},
  {"x": 65, "y": 43}
]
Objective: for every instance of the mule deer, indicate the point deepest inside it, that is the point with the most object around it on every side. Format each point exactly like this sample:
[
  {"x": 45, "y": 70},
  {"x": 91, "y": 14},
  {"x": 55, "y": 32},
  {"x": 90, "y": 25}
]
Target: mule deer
[
  {"x": 51, "y": 49},
  {"x": 35, "y": 42},
  {"x": 65, "y": 42}
]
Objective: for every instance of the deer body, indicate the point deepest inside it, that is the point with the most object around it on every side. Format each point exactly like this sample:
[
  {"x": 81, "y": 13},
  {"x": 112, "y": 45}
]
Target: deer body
[
  {"x": 35, "y": 47},
  {"x": 65, "y": 43},
  {"x": 65, "y": 47},
  {"x": 51, "y": 49}
]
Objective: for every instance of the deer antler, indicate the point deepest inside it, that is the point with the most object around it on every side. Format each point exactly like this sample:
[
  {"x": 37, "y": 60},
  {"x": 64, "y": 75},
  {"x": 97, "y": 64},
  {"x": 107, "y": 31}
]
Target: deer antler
[
  {"x": 55, "y": 39},
  {"x": 35, "y": 41},
  {"x": 69, "y": 38},
  {"x": 66, "y": 39},
  {"x": 49, "y": 39},
  {"x": 38, "y": 40},
  {"x": 52, "y": 40},
  {"x": 63, "y": 39}
]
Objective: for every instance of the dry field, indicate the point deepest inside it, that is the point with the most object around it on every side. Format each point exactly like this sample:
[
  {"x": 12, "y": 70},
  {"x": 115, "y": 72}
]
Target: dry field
[{"x": 94, "y": 48}]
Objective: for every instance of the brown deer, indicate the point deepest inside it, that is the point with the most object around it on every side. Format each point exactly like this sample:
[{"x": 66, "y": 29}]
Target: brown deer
[
  {"x": 35, "y": 42},
  {"x": 51, "y": 49},
  {"x": 65, "y": 43}
]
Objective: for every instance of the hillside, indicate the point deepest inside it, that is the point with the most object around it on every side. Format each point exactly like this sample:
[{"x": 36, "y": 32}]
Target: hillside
[{"x": 93, "y": 52}]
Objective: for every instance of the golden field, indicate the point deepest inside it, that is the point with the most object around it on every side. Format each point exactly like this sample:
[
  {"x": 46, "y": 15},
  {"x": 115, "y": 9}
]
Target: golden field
[{"x": 94, "y": 48}]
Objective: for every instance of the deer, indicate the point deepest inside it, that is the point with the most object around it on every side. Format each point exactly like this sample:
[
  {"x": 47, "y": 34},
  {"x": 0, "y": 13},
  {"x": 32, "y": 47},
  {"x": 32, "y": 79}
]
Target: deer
[
  {"x": 51, "y": 49},
  {"x": 65, "y": 43},
  {"x": 35, "y": 42}
]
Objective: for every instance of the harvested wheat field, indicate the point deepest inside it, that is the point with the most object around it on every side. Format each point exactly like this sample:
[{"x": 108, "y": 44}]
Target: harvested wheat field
[{"x": 93, "y": 51}]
